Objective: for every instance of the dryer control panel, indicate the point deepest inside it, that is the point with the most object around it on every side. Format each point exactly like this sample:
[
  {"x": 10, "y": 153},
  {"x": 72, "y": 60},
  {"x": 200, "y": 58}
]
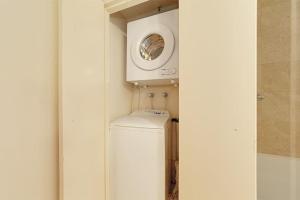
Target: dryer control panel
[{"x": 170, "y": 71}]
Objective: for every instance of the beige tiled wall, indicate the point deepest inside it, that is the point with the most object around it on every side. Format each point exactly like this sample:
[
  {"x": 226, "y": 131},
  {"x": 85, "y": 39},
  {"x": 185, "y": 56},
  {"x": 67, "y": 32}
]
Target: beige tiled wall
[{"x": 278, "y": 77}]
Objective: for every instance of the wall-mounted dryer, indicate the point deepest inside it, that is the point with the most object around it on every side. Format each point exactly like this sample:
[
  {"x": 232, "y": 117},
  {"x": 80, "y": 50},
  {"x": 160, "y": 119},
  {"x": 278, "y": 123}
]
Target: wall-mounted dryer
[{"x": 152, "y": 49}]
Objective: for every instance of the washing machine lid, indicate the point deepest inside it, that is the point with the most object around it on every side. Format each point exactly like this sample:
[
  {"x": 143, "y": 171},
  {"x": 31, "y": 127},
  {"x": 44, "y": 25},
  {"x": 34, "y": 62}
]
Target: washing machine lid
[{"x": 151, "y": 119}]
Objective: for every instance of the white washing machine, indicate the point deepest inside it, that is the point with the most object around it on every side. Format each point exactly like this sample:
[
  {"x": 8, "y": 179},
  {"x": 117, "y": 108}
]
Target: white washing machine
[
  {"x": 138, "y": 168},
  {"x": 152, "y": 49}
]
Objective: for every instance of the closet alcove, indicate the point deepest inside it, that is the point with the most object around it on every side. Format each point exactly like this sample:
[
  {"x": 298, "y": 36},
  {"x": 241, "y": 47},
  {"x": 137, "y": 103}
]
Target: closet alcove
[{"x": 123, "y": 98}]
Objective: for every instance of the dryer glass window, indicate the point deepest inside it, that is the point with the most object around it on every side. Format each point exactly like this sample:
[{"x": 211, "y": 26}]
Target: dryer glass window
[{"x": 152, "y": 46}]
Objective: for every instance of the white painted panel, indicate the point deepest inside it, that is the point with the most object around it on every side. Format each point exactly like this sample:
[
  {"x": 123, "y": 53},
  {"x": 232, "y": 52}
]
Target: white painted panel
[
  {"x": 217, "y": 98},
  {"x": 82, "y": 100},
  {"x": 28, "y": 100}
]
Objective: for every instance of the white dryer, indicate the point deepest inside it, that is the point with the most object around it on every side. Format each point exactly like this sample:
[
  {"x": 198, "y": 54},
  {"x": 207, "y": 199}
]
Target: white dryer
[
  {"x": 152, "y": 49},
  {"x": 138, "y": 167}
]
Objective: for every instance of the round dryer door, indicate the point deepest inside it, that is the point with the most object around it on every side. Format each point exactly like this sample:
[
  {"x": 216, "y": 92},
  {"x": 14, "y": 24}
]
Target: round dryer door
[{"x": 153, "y": 48}]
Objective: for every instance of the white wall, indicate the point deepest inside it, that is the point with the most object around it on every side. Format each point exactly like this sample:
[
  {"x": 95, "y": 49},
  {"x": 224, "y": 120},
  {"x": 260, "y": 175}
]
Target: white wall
[
  {"x": 217, "y": 100},
  {"x": 120, "y": 92},
  {"x": 142, "y": 101},
  {"x": 278, "y": 177},
  {"x": 28, "y": 100},
  {"x": 82, "y": 100}
]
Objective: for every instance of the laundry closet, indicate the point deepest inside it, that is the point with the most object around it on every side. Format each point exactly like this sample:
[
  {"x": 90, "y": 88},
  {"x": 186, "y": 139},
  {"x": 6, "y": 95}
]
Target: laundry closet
[
  {"x": 143, "y": 97},
  {"x": 213, "y": 97}
]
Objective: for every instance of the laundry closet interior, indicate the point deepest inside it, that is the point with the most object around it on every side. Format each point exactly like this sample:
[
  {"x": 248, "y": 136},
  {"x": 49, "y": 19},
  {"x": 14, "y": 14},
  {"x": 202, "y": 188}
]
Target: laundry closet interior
[{"x": 142, "y": 91}]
